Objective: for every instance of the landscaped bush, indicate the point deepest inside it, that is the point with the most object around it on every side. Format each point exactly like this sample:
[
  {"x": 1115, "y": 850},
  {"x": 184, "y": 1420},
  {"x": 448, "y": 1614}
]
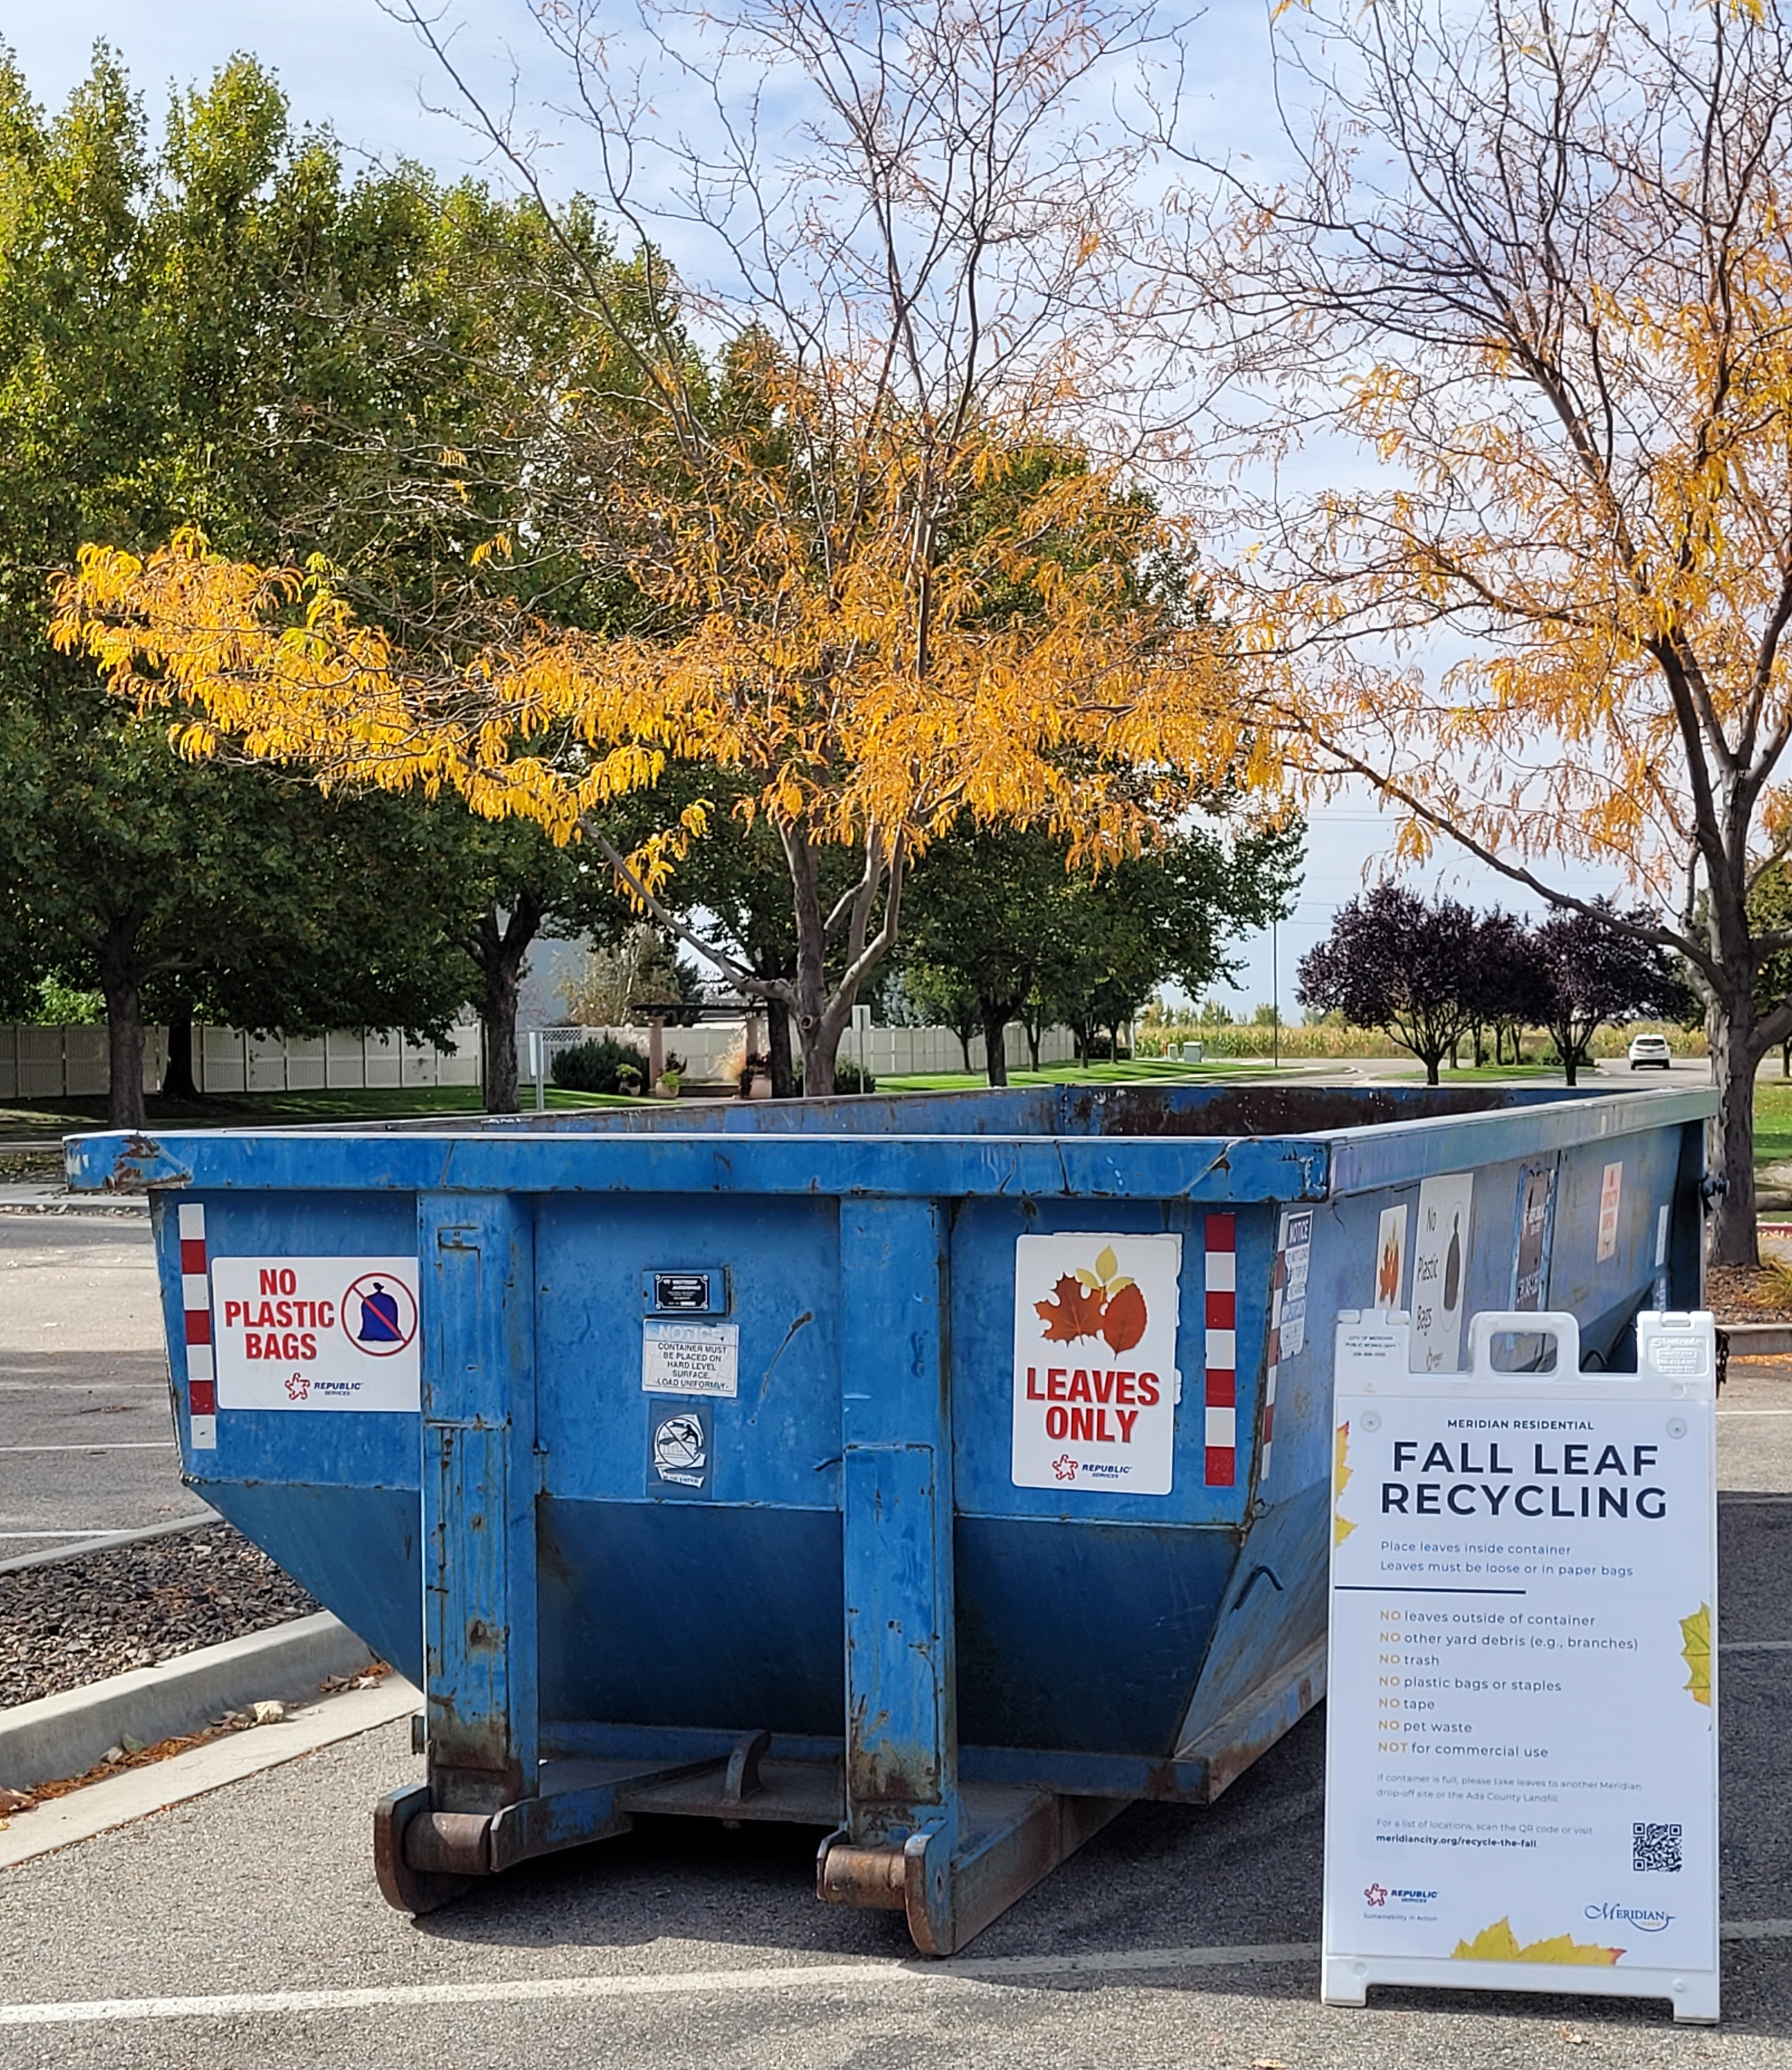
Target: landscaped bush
[
  {"x": 599, "y": 1066},
  {"x": 849, "y": 1076}
]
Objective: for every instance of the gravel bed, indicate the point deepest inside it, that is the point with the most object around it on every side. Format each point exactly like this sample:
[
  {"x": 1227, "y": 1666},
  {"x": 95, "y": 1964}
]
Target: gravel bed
[{"x": 71, "y": 1622}]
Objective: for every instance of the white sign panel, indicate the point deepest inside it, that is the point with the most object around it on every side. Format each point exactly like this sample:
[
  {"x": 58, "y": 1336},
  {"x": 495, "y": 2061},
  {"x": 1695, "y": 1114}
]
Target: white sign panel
[
  {"x": 1440, "y": 1271},
  {"x": 1095, "y": 1382},
  {"x": 1295, "y": 1249},
  {"x": 1521, "y": 1747},
  {"x": 690, "y": 1358},
  {"x": 316, "y": 1333}
]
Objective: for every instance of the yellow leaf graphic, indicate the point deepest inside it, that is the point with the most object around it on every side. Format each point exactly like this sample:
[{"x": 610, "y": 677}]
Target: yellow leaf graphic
[
  {"x": 1696, "y": 1651},
  {"x": 1087, "y": 1280},
  {"x": 1341, "y": 1526},
  {"x": 1498, "y": 1943},
  {"x": 1107, "y": 1264},
  {"x": 1119, "y": 1286}
]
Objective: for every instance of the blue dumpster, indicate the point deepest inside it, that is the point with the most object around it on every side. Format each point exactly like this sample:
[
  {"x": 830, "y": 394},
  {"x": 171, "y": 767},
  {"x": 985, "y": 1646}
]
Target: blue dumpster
[{"x": 941, "y": 1472}]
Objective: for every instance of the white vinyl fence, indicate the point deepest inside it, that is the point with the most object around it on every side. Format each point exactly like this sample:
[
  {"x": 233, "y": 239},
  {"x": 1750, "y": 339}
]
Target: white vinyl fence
[
  {"x": 51, "y": 1063},
  {"x": 711, "y": 1048},
  {"x": 47, "y": 1063}
]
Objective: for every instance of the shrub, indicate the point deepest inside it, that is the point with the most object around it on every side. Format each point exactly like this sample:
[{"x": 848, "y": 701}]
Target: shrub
[
  {"x": 849, "y": 1076},
  {"x": 599, "y": 1066}
]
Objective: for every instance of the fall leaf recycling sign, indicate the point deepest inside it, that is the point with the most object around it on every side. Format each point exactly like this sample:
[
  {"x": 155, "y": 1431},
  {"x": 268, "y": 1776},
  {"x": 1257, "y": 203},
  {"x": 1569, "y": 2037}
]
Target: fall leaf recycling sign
[
  {"x": 1095, "y": 1381},
  {"x": 1521, "y": 1739}
]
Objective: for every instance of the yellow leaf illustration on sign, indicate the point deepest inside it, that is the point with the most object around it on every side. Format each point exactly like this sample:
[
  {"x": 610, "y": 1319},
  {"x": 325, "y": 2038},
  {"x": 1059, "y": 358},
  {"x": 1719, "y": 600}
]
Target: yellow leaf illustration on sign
[
  {"x": 1341, "y": 1525},
  {"x": 1696, "y": 1651},
  {"x": 1107, "y": 1264},
  {"x": 1498, "y": 1943}
]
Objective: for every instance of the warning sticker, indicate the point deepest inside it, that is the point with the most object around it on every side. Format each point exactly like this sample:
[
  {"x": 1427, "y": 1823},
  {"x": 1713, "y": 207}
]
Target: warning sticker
[
  {"x": 316, "y": 1333},
  {"x": 690, "y": 1358},
  {"x": 1095, "y": 1382},
  {"x": 680, "y": 1450}
]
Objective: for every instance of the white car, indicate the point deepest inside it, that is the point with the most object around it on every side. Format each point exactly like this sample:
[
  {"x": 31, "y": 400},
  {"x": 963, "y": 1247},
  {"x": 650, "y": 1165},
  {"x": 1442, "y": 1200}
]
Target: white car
[{"x": 1647, "y": 1050}]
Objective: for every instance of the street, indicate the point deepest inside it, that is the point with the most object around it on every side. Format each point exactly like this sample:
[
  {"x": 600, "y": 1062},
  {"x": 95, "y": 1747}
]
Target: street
[{"x": 85, "y": 1444}]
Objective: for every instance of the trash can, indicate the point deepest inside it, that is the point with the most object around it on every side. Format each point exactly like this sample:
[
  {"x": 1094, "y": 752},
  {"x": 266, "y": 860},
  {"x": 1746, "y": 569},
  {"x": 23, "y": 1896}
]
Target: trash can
[{"x": 941, "y": 1472}]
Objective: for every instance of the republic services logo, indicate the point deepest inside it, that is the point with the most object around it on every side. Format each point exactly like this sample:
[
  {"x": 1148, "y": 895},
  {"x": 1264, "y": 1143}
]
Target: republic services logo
[{"x": 1376, "y": 1894}]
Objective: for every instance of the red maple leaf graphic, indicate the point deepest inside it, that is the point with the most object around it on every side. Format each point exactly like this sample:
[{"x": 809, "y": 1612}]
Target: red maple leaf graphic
[{"x": 1075, "y": 1312}]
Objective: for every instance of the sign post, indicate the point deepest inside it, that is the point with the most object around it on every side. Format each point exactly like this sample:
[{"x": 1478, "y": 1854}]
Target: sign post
[{"x": 1521, "y": 1740}]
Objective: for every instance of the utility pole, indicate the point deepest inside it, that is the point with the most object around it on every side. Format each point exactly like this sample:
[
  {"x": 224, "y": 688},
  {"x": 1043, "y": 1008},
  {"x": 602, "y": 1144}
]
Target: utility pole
[{"x": 1275, "y": 998}]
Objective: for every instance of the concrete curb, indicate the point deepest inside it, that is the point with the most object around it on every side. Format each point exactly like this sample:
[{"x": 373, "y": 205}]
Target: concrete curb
[
  {"x": 109, "y": 1541},
  {"x": 59, "y": 1737},
  {"x": 1758, "y": 1340},
  {"x": 138, "y": 1792}
]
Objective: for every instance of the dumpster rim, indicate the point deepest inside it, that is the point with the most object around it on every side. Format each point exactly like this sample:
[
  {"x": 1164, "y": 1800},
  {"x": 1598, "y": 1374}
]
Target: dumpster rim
[{"x": 1312, "y": 1166}]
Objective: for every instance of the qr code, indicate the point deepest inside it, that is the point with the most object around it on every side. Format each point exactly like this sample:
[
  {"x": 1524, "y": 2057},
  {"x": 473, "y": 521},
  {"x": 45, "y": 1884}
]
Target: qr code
[{"x": 1656, "y": 1847}]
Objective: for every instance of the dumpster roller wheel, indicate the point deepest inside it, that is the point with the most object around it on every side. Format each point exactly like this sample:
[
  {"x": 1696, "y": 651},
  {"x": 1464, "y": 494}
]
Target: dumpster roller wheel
[{"x": 404, "y": 1886}]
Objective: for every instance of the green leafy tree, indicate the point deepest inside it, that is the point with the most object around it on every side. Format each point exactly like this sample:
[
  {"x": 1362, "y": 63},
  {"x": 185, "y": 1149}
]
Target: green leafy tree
[{"x": 226, "y": 330}]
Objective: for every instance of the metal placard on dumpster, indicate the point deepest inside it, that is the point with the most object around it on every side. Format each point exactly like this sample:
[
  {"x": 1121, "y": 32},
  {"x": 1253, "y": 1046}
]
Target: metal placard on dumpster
[
  {"x": 316, "y": 1333},
  {"x": 1094, "y": 1361},
  {"x": 1521, "y": 1744}
]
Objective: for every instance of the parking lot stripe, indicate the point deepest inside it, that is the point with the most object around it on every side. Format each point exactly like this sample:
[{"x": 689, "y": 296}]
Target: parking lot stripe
[
  {"x": 110, "y": 1445},
  {"x": 686, "y": 1983}
]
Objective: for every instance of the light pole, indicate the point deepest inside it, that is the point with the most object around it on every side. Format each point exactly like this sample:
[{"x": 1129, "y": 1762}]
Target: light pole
[{"x": 1275, "y": 997}]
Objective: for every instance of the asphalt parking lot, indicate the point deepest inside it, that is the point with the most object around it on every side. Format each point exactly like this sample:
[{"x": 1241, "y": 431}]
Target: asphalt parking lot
[
  {"x": 85, "y": 1441},
  {"x": 244, "y": 1927}
]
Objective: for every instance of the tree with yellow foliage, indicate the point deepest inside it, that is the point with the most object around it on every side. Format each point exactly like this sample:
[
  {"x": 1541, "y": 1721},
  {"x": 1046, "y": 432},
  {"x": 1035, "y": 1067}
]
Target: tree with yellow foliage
[
  {"x": 1539, "y": 266},
  {"x": 883, "y": 574}
]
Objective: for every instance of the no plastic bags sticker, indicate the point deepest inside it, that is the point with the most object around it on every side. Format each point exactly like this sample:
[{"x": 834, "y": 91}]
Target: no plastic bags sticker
[{"x": 315, "y": 1333}]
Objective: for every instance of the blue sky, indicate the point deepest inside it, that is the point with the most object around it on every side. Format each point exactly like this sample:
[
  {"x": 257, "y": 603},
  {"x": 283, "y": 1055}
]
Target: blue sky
[{"x": 347, "y": 63}]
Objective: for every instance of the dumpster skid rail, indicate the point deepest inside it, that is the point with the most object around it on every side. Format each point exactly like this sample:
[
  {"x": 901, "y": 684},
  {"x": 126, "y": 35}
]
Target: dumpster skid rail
[{"x": 940, "y": 1473}]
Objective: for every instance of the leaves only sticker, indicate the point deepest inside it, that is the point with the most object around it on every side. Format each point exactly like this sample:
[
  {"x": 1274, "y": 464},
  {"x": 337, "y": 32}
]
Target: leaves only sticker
[{"x": 1095, "y": 1382}]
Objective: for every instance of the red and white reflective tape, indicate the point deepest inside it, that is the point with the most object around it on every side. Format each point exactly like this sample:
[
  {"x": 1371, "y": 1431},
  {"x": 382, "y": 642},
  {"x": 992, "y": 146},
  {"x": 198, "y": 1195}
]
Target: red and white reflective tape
[
  {"x": 202, "y": 1381},
  {"x": 1222, "y": 1351}
]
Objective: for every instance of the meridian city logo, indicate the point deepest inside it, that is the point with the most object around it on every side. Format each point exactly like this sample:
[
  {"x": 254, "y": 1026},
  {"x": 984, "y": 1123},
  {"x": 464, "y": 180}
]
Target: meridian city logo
[{"x": 1645, "y": 1922}]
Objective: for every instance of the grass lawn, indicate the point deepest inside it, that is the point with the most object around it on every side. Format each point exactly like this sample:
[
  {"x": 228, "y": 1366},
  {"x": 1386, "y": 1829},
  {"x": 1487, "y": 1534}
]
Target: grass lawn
[
  {"x": 1773, "y": 1121},
  {"x": 61, "y": 1117}
]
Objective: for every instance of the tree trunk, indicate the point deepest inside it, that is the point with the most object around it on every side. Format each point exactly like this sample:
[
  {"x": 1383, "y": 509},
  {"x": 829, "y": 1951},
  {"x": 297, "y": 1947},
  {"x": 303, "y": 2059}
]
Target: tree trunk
[
  {"x": 498, "y": 1015},
  {"x": 1498, "y": 1043},
  {"x": 121, "y": 981},
  {"x": 498, "y": 949},
  {"x": 177, "y": 1082},
  {"x": 964, "y": 1035},
  {"x": 777, "y": 1044},
  {"x": 1568, "y": 1049},
  {"x": 995, "y": 1049},
  {"x": 1735, "y": 1055},
  {"x": 1034, "y": 1031},
  {"x": 1480, "y": 1045}
]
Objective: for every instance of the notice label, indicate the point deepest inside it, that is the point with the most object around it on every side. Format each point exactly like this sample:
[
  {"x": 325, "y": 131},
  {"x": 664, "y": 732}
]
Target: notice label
[
  {"x": 1294, "y": 1255},
  {"x": 315, "y": 1333},
  {"x": 690, "y": 1358},
  {"x": 1095, "y": 1381},
  {"x": 1521, "y": 1743}
]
